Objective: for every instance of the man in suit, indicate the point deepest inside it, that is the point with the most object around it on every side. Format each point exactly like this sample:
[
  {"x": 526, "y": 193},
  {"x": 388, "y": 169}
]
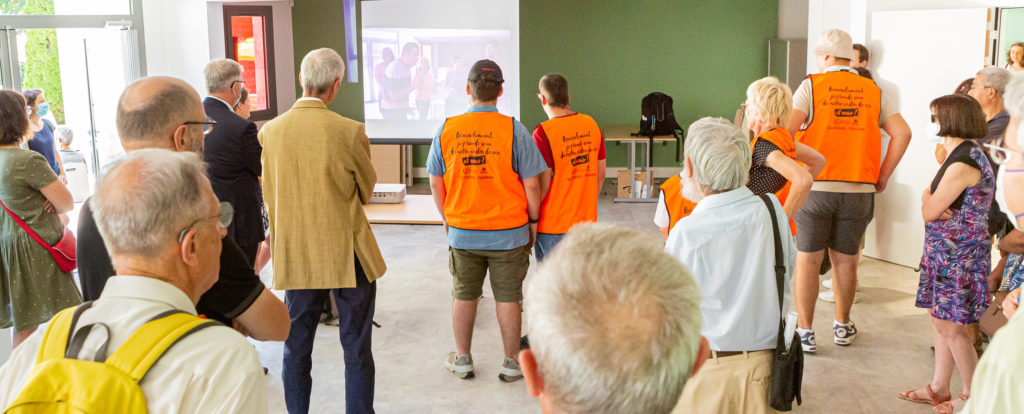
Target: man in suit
[
  {"x": 233, "y": 155},
  {"x": 320, "y": 238}
]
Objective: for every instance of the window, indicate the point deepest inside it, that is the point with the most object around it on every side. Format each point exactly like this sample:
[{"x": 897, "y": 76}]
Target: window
[{"x": 249, "y": 40}]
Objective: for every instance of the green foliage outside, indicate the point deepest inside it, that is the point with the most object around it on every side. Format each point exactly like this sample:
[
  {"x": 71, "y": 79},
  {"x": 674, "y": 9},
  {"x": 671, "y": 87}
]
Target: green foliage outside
[{"x": 42, "y": 65}]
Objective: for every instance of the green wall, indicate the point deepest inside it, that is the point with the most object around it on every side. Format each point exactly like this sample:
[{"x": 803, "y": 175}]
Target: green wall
[
  {"x": 702, "y": 53},
  {"x": 319, "y": 23}
]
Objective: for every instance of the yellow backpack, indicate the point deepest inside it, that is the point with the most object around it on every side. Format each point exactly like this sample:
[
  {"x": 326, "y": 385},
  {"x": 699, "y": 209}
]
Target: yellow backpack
[{"x": 59, "y": 383}]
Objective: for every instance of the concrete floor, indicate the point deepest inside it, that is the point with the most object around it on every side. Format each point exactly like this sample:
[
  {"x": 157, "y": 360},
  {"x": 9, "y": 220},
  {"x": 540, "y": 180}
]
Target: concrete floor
[{"x": 413, "y": 307}]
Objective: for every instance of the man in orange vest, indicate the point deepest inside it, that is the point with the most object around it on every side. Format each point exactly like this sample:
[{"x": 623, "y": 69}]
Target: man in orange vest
[
  {"x": 484, "y": 171},
  {"x": 672, "y": 205},
  {"x": 839, "y": 114},
  {"x": 573, "y": 147}
]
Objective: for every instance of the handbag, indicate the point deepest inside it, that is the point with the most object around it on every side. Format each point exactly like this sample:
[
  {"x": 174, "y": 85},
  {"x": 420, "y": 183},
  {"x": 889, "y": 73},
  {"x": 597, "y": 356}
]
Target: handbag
[
  {"x": 993, "y": 318},
  {"x": 63, "y": 252},
  {"x": 788, "y": 364}
]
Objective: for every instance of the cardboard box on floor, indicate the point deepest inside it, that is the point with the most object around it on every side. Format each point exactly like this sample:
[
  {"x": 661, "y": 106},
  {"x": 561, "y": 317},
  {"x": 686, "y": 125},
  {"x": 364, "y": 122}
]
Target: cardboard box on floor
[{"x": 625, "y": 185}]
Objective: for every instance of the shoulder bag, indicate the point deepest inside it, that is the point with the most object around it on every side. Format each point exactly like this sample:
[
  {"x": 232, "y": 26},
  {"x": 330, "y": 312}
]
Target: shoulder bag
[
  {"x": 63, "y": 252},
  {"x": 788, "y": 364}
]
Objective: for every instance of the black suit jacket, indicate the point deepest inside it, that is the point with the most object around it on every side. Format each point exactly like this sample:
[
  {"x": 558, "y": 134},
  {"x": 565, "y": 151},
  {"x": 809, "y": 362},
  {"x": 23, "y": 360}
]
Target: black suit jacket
[{"x": 232, "y": 153}]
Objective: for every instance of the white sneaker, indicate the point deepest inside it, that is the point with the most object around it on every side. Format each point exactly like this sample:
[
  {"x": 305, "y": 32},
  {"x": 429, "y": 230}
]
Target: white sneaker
[
  {"x": 830, "y": 297},
  {"x": 828, "y": 284}
]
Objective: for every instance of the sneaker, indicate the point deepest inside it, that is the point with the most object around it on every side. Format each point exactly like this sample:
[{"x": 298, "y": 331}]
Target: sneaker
[
  {"x": 510, "y": 371},
  {"x": 462, "y": 366},
  {"x": 830, "y": 297},
  {"x": 828, "y": 285},
  {"x": 845, "y": 333},
  {"x": 807, "y": 341}
]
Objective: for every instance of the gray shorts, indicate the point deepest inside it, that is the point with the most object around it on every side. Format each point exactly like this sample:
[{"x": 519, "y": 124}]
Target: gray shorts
[{"x": 834, "y": 220}]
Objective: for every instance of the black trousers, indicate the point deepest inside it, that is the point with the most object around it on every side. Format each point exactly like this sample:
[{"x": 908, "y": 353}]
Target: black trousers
[{"x": 355, "y": 324}]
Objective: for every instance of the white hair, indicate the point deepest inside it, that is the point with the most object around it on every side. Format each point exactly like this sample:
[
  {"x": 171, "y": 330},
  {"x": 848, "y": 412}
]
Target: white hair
[
  {"x": 1014, "y": 98},
  {"x": 64, "y": 134},
  {"x": 719, "y": 154},
  {"x": 221, "y": 74},
  {"x": 146, "y": 198},
  {"x": 995, "y": 78},
  {"x": 319, "y": 69},
  {"x": 614, "y": 322}
]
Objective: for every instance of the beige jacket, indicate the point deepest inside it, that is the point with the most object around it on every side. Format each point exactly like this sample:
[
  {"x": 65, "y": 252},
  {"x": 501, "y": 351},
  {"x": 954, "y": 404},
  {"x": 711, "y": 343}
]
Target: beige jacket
[{"x": 316, "y": 177}]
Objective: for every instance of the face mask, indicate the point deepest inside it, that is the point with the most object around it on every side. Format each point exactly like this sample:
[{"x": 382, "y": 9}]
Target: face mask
[
  {"x": 933, "y": 134},
  {"x": 1000, "y": 196},
  {"x": 44, "y": 108}
]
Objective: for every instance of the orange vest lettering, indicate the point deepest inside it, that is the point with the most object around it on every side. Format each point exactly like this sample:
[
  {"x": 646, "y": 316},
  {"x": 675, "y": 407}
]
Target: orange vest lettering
[
  {"x": 572, "y": 197},
  {"x": 483, "y": 192},
  {"x": 844, "y": 127},
  {"x": 676, "y": 205}
]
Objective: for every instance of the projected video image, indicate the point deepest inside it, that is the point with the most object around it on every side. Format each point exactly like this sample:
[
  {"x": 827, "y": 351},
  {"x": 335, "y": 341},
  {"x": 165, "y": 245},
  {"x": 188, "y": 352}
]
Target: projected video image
[{"x": 420, "y": 74}]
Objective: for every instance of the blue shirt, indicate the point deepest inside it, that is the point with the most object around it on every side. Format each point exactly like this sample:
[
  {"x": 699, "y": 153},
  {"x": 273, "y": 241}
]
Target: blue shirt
[
  {"x": 43, "y": 144},
  {"x": 527, "y": 161}
]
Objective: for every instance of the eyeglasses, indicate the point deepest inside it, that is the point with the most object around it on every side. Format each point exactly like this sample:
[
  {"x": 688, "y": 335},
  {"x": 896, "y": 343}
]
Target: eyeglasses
[
  {"x": 224, "y": 219},
  {"x": 237, "y": 81},
  {"x": 207, "y": 124},
  {"x": 540, "y": 96},
  {"x": 981, "y": 87},
  {"x": 1000, "y": 154}
]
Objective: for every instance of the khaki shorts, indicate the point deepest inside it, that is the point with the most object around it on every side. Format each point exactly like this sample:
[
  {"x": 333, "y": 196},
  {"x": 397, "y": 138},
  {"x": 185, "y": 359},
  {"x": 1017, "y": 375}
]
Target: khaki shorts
[
  {"x": 508, "y": 269},
  {"x": 732, "y": 384}
]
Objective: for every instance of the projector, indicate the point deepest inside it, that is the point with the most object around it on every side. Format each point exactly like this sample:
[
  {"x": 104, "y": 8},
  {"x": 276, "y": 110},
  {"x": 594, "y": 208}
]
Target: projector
[{"x": 388, "y": 194}]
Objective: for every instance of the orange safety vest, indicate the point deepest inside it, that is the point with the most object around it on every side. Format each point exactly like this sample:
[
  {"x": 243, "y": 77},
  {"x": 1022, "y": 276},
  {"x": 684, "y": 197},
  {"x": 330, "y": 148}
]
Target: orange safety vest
[
  {"x": 483, "y": 192},
  {"x": 844, "y": 126},
  {"x": 781, "y": 138},
  {"x": 676, "y": 205},
  {"x": 572, "y": 197}
]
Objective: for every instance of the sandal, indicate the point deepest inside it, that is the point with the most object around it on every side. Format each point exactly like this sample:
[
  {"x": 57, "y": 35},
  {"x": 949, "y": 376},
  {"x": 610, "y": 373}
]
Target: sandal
[
  {"x": 932, "y": 399},
  {"x": 947, "y": 406}
]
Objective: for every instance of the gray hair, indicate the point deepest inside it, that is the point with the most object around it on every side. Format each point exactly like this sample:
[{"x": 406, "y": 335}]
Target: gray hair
[
  {"x": 221, "y": 74},
  {"x": 995, "y": 78},
  {"x": 1014, "y": 98},
  {"x": 614, "y": 322},
  {"x": 64, "y": 134},
  {"x": 719, "y": 154},
  {"x": 154, "y": 117},
  {"x": 319, "y": 69},
  {"x": 146, "y": 198}
]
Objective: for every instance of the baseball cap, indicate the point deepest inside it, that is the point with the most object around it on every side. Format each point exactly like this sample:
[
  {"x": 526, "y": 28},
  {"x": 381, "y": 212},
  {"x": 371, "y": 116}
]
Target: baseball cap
[
  {"x": 835, "y": 42},
  {"x": 485, "y": 66}
]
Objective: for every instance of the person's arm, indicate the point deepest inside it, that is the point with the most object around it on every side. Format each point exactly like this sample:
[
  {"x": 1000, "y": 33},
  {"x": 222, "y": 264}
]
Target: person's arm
[
  {"x": 252, "y": 150},
  {"x": 995, "y": 277},
  {"x": 813, "y": 161},
  {"x": 363, "y": 171},
  {"x": 800, "y": 179},
  {"x": 1012, "y": 242},
  {"x": 544, "y": 180},
  {"x": 533, "y": 200},
  {"x": 439, "y": 193},
  {"x": 60, "y": 162},
  {"x": 899, "y": 132},
  {"x": 58, "y": 196},
  {"x": 602, "y": 167},
  {"x": 957, "y": 178},
  {"x": 540, "y": 138},
  {"x": 796, "y": 120},
  {"x": 266, "y": 319}
]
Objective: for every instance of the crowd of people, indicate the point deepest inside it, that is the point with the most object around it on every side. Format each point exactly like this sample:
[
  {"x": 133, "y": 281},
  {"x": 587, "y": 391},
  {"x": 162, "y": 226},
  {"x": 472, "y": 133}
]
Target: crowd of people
[{"x": 615, "y": 321}]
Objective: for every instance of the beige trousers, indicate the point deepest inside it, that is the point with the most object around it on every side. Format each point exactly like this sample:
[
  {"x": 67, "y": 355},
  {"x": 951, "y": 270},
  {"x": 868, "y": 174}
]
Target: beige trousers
[{"x": 733, "y": 384}]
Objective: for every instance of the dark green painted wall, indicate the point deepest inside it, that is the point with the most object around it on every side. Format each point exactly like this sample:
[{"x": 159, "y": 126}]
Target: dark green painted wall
[
  {"x": 613, "y": 52},
  {"x": 316, "y": 24}
]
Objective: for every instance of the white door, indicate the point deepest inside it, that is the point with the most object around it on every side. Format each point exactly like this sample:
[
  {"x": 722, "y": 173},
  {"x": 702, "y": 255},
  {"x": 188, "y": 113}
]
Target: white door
[{"x": 919, "y": 55}]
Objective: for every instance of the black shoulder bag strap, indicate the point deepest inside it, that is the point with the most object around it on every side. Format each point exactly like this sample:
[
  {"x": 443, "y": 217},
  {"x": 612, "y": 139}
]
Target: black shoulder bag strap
[{"x": 788, "y": 364}]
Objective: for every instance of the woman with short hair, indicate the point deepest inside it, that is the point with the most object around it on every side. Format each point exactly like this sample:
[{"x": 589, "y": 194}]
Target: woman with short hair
[
  {"x": 32, "y": 286},
  {"x": 957, "y": 249}
]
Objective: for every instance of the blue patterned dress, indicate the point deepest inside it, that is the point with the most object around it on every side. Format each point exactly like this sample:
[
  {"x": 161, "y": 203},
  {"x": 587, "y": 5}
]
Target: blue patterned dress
[{"x": 958, "y": 252}]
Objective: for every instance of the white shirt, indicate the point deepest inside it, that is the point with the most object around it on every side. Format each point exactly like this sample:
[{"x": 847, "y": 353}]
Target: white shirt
[
  {"x": 214, "y": 370},
  {"x": 309, "y": 98},
  {"x": 230, "y": 108},
  {"x": 727, "y": 243},
  {"x": 998, "y": 384}
]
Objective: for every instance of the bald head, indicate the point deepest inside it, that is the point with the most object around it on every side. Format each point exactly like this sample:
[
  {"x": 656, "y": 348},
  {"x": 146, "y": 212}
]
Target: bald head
[{"x": 152, "y": 111}]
